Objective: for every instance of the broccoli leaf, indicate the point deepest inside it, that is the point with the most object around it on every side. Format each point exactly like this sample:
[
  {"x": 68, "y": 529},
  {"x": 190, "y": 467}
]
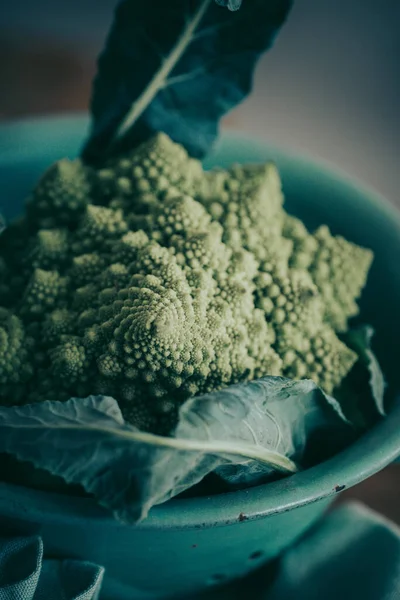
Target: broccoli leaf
[
  {"x": 177, "y": 67},
  {"x": 359, "y": 340},
  {"x": 362, "y": 392},
  {"x": 261, "y": 427}
]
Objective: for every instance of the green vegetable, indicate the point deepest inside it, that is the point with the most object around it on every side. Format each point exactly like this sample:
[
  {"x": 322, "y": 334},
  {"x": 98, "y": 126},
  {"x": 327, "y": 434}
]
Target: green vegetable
[
  {"x": 176, "y": 66},
  {"x": 155, "y": 319},
  {"x": 152, "y": 281},
  {"x": 247, "y": 433},
  {"x": 362, "y": 393},
  {"x": 14, "y": 350}
]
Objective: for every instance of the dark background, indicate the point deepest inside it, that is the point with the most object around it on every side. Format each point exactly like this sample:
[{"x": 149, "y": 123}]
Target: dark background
[{"x": 329, "y": 88}]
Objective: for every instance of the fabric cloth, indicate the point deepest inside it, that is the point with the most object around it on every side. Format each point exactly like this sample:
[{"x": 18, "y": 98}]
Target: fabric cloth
[
  {"x": 351, "y": 554},
  {"x": 25, "y": 575}
]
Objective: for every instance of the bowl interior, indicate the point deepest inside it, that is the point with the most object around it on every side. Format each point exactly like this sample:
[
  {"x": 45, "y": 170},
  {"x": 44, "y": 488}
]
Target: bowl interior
[{"x": 317, "y": 195}]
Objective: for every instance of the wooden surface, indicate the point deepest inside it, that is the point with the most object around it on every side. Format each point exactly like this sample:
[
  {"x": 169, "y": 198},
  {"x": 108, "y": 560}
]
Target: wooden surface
[{"x": 43, "y": 76}]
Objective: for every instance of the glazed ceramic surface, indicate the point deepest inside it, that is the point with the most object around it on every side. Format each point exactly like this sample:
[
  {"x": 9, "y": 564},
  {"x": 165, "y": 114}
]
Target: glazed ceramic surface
[{"x": 189, "y": 544}]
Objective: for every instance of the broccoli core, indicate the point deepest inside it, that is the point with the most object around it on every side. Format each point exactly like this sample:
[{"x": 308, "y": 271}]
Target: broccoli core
[{"x": 152, "y": 281}]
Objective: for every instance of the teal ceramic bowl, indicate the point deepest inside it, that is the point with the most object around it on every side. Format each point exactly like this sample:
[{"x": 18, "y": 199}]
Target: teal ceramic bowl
[{"x": 188, "y": 544}]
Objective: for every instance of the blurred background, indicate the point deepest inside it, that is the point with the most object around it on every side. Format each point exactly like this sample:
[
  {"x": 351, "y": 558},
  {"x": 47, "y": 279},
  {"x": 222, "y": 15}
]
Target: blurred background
[{"x": 329, "y": 89}]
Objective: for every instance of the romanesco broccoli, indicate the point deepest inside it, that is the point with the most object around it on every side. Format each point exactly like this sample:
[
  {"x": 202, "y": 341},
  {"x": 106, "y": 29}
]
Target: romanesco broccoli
[{"x": 153, "y": 281}]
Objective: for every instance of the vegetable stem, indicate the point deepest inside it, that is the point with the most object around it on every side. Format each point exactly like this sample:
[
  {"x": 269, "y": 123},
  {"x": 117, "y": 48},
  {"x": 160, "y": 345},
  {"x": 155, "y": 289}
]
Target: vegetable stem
[
  {"x": 160, "y": 78},
  {"x": 220, "y": 447},
  {"x": 258, "y": 453}
]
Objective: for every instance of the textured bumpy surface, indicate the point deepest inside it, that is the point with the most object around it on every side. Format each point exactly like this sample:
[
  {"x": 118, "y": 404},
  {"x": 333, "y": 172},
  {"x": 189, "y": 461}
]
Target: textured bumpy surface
[{"x": 153, "y": 281}]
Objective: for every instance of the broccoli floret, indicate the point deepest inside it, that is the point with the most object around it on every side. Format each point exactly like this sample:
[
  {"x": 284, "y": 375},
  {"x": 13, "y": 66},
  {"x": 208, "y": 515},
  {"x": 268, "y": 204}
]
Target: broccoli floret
[
  {"x": 15, "y": 347},
  {"x": 152, "y": 281},
  {"x": 289, "y": 297},
  {"x": 45, "y": 291},
  {"x": 85, "y": 267},
  {"x": 144, "y": 176},
  {"x": 98, "y": 228},
  {"x": 56, "y": 324},
  {"x": 338, "y": 268},
  {"x": 247, "y": 201},
  {"x": 69, "y": 361},
  {"x": 49, "y": 248},
  {"x": 61, "y": 195},
  {"x": 304, "y": 245},
  {"x": 321, "y": 356},
  {"x": 308, "y": 347}
]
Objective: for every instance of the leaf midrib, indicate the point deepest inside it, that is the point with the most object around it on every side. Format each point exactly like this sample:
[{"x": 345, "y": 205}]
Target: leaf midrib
[
  {"x": 160, "y": 78},
  {"x": 260, "y": 454}
]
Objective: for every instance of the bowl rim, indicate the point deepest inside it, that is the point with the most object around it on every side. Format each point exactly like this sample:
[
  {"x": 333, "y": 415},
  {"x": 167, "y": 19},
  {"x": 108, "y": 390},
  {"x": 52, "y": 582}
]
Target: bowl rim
[{"x": 372, "y": 452}]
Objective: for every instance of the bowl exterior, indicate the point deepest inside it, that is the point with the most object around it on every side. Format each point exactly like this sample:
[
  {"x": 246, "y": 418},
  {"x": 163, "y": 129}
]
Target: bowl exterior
[
  {"x": 187, "y": 545},
  {"x": 148, "y": 564}
]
